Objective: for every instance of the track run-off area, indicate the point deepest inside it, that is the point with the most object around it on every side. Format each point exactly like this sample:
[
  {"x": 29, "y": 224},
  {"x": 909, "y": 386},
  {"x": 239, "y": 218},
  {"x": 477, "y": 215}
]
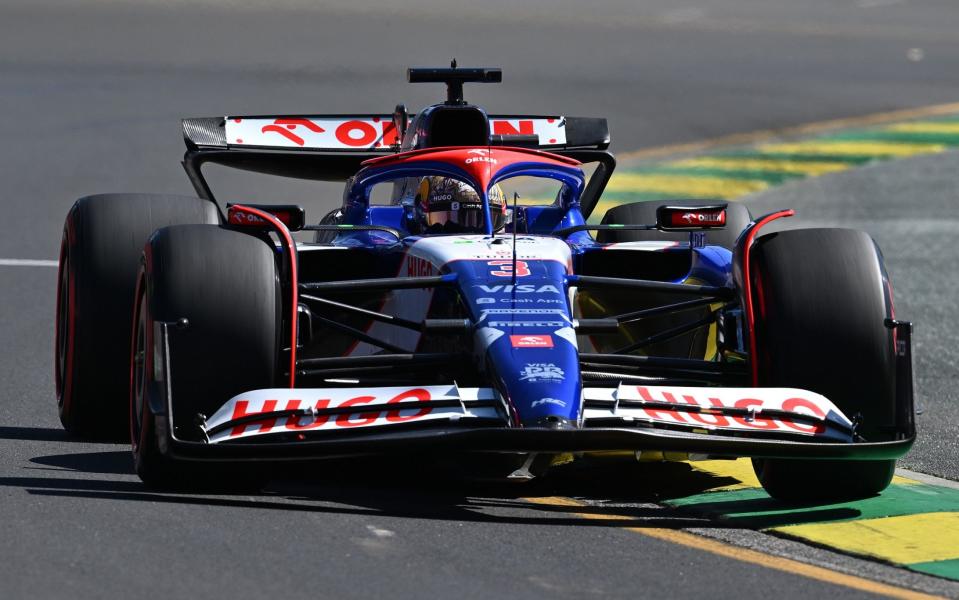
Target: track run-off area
[{"x": 734, "y": 166}]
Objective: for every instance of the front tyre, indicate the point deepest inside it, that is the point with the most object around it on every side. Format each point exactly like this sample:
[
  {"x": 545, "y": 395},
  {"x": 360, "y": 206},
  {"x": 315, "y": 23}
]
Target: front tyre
[
  {"x": 821, "y": 300},
  {"x": 221, "y": 286},
  {"x": 823, "y": 480}
]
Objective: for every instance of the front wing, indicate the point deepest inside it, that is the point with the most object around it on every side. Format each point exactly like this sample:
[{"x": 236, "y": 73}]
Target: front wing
[{"x": 278, "y": 424}]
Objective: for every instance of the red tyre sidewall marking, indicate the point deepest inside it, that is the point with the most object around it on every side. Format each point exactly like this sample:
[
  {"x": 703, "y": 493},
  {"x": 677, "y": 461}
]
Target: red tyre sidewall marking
[
  {"x": 64, "y": 380},
  {"x": 58, "y": 338}
]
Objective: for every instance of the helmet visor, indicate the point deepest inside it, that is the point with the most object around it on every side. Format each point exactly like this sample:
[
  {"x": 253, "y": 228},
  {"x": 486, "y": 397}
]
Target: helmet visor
[
  {"x": 454, "y": 207},
  {"x": 467, "y": 216}
]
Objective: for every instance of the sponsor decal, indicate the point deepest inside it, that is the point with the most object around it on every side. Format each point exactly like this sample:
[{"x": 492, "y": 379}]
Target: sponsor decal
[
  {"x": 711, "y": 400},
  {"x": 302, "y": 132},
  {"x": 371, "y": 407},
  {"x": 418, "y": 267},
  {"x": 542, "y": 401},
  {"x": 528, "y": 324},
  {"x": 550, "y": 131},
  {"x": 369, "y": 131},
  {"x": 697, "y": 218},
  {"x": 289, "y": 216},
  {"x": 240, "y": 218},
  {"x": 512, "y": 300},
  {"x": 522, "y": 288},
  {"x": 483, "y": 156},
  {"x": 241, "y": 408},
  {"x": 486, "y": 300},
  {"x": 531, "y": 341},
  {"x": 285, "y": 128},
  {"x": 360, "y": 133},
  {"x": 505, "y": 268},
  {"x": 531, "y": 300},
  {"x": 542, "y": 372},
  {"x": 754, "y": 421},
  {"x": 524, "y": 311}
]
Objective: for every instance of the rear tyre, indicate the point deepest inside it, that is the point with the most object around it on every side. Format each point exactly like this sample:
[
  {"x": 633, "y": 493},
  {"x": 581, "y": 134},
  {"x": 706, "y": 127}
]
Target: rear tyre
[
  {"x": 737, "y": 218},
  {"x": 821, "y": 299},
  {"x": 224, "y": 284},
  {"x": 103, "y": 238},
  {"x": 331, "y": 218}
]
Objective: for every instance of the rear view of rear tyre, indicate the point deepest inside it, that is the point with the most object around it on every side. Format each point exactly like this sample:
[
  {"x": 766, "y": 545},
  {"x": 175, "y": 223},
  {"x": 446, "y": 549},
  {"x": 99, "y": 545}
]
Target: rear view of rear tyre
[
  {"x": 644, "y": 213},
  {"x": 103, "y": 238},
  {"x": 821, "y": 303},
  {"x": 214, "y": 294}
]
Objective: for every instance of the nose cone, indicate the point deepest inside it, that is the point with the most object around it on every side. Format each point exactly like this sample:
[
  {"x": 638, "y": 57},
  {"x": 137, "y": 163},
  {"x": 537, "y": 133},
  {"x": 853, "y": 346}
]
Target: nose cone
[
  {"x": 540, "y": 373},
  {"x": 524, "y": 328},
  {"x": 525, "y": 332}
]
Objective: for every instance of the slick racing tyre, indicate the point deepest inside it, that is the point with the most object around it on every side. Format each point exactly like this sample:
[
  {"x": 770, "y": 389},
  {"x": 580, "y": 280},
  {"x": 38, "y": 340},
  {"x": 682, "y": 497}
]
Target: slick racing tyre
[
  {"x": 821, "y": 300},
  {"x": 103, "y": 238},
  {"x": 331, "y": 218},
  {"x": 216, "y": 293},
  {"x": 644, "y": 213}
]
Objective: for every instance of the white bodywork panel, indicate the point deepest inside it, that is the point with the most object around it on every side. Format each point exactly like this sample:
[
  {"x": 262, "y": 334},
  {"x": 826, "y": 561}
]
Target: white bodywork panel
[
  {"x": 362, "y": 132},
  {"x": 386, "y": 406},
  {"x": 756, "y": 400}
]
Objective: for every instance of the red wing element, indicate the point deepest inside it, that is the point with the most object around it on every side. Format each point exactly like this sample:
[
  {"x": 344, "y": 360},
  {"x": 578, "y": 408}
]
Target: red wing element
[
  {"x": 287, "y": 134},
  {"x": 285, "y": 128}
]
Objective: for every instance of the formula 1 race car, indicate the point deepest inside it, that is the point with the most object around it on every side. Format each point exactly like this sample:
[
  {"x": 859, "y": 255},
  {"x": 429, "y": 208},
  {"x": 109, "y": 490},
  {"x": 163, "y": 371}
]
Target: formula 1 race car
[{"x": 450, "y": 316}]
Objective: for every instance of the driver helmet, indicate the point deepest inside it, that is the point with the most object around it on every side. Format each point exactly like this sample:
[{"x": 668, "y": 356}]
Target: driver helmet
[{"x": 447, "y": 205}]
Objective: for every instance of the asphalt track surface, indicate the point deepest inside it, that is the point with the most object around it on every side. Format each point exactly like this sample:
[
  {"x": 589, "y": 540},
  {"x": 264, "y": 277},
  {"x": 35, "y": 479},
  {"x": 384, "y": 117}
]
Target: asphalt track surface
[{"x": 90, "y": 97}]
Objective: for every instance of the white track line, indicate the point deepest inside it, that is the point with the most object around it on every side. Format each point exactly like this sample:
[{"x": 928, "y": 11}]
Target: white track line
[
  {"x": 27, "y": 262},
  {"x": 928, "y": 479}
]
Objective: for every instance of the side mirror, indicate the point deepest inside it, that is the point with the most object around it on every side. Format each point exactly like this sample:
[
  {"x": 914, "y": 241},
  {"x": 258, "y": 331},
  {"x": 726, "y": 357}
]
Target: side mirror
[
  {"x": 682, "y": 218},
  {"x": 291, "y": 215}
]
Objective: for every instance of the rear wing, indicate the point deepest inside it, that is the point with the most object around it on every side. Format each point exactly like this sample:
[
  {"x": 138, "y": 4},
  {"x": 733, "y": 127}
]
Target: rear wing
[
  {"x": 332, "y": 147},
  {"x": 377, "y": 133}
]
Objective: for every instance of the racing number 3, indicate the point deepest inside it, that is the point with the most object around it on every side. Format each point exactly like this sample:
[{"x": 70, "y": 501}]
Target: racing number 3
[{"x": 506, "y": 268}]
